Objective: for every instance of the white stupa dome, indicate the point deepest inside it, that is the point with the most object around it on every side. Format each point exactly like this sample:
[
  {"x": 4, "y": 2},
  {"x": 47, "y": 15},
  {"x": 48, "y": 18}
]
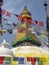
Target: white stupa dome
[
  {"x": 4, "y": 49},
  {"x": 30, "y": 51}
]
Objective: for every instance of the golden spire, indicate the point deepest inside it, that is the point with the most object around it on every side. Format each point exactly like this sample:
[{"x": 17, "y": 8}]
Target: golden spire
[
  {"x": 25, "y": 36},
  {"x": 26, "y": 13}
]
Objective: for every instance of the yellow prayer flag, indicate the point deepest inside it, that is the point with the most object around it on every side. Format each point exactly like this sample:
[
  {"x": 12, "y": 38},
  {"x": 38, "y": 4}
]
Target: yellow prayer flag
[
  {"x": 47, "y": 62},
  {"x": 14, "y": 62},
  {"x": 43, "y": 36}
]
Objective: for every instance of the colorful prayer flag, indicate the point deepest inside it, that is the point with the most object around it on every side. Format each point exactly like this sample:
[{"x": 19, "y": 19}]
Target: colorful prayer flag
[
  {"x": 7, "y": 60},
  {"x": 38, "y": 33},
  {"x": 14, "y": 62},
  {"x": 43, "y": 36},
  {"x": 39, "y": 62},
  {"x": 8, "y": 14},
  {"x": 41, "y": 23},
  {"x": 3, "y": 12},
  {"x": 14, "y": 24},
  {"x": 36, "y": 22},
  {"x": 30, "y": 61},
  {"x": 9, "y": 31},
  {"x": 19, "y": 17},
  {"x": 28, "y": 58},
  {"x": 15, "y": 58},
  {"x": 21, "y": 60},
  {"x": 1, "y": 60}
]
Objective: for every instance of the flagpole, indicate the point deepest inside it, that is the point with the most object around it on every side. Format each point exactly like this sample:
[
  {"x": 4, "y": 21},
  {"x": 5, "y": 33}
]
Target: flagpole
[
  {"x": 47, "y": 18},
  {"x": 1, "y": 2}
]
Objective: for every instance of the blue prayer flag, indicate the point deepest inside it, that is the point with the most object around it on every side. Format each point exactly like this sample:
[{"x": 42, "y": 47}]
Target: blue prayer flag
[
  {"x": 21, "y": 60},
  {"x": 15, "y": 58}
]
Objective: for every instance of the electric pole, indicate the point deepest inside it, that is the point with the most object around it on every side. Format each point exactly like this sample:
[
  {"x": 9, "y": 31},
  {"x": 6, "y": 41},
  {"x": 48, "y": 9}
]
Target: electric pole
[{"x": 47, "y": 18}]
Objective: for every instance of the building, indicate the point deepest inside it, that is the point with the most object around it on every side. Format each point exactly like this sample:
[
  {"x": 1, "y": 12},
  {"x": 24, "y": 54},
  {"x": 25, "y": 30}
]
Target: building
[{"x": 6, "y": 55}]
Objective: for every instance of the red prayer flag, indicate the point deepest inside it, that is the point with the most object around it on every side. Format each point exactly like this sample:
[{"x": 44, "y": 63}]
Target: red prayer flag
[
  {"x": 1, "y": 60},
  {"x": 28, "y": 58},
  {"x": 8, "y": 14},
  {"x": 33, "y": 63},
  {"x": 32, "y": 60},
  {"x": 41, "y": 24},
  {"x": 3, "y": 12},
  {"x": 19, "y": 17}
]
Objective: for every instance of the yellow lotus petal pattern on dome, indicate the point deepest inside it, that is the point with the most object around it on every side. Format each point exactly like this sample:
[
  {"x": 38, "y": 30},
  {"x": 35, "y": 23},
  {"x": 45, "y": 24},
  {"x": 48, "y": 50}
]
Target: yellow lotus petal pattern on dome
[
  {"x": 27, "y": 55},
  {"x": 45, "y": 53},
  {"x": 30, "y": 51},
  {"x": 23, "y": 52}
]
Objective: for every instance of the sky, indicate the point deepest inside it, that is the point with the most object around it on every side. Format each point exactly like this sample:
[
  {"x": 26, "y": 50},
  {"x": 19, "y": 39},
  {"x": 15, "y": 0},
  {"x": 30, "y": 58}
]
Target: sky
[{"x": 16, "y": 6}]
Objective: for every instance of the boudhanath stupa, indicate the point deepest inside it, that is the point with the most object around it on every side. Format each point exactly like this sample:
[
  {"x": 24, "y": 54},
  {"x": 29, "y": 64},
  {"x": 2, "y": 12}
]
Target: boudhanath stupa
[{"x": 26, "y": 48}]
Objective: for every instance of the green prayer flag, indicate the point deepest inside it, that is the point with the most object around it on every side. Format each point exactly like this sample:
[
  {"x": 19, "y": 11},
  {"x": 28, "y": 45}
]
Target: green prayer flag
[
  {"x": 7, "y": 60},
  {"x": 39, "y": 62}
]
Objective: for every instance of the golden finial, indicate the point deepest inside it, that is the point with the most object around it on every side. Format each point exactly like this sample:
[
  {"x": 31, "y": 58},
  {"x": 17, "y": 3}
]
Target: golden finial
[{"x": 26, "y": 13}]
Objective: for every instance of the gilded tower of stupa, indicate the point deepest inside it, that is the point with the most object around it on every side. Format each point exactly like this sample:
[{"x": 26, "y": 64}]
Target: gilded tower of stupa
[{"x": 25, "y": 35}]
